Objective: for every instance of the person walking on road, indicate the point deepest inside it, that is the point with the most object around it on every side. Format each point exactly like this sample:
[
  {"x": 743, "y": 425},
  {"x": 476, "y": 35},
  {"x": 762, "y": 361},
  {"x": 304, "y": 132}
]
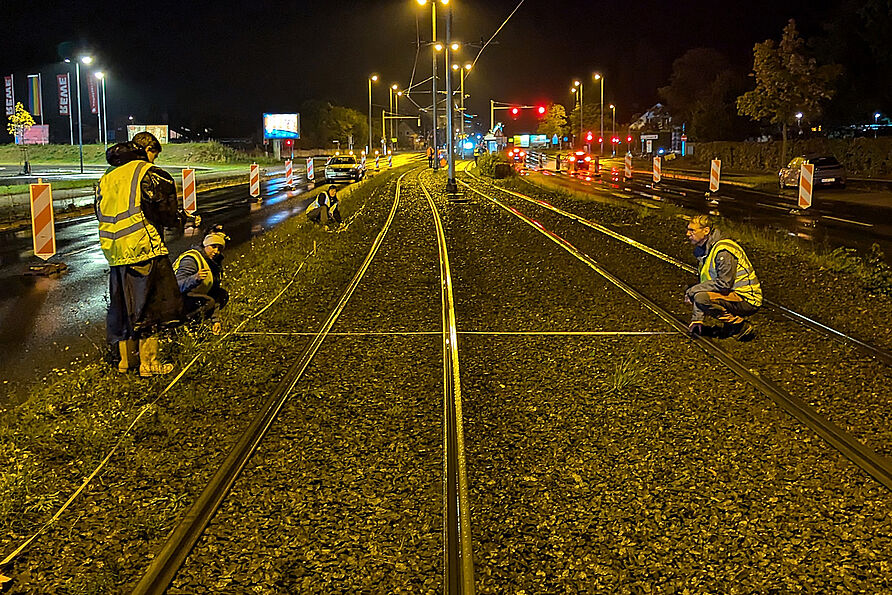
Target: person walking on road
[
  {"x": 134, "y": 202},
  {"x": 199, "y": 272},
  {"x": 729, "y": 290},
  {"x": 430, "y": 157},
  {"x": 325, "y": 207}
]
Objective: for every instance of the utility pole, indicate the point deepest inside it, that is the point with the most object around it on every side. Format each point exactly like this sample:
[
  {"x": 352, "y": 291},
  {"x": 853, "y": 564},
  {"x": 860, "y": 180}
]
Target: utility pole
[{"x": 451, "y": 187}]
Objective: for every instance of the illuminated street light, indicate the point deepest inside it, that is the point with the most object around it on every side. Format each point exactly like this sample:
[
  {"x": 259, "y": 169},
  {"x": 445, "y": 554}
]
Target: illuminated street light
[
  {"x": 799, "y": 122},
  {"x": 578, "y": 84},
  {"x": 372, "y": 78},
  {"x": 437, "y": 47},
  {"x": 80, "y": 128},
  {"x": 103, "y": 112},
  {"x": 613, "y": 134},
  {"x": 876, "y": 123},
  {"x": 598, "y": 77}
]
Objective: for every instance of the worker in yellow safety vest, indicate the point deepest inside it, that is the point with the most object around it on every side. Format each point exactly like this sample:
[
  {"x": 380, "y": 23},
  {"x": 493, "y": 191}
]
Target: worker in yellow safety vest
[
  {"x": 729, "y": 290},
  {"x": 199, "y": 271},
  {"x": 135, "y": 200}
]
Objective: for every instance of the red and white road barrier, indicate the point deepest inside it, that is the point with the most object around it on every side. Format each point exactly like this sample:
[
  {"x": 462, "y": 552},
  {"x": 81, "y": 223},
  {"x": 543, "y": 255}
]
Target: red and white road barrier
[
  {"x": 289, "y": 173},
  {"x": 255, "y": 180},
  {"x": 628, "y": 166},
  {"x": 658, "y": 170},
  {"x": 597, "y": 165},
  {"x": 806, "y": 184},
  {"x": 377, "y": 160},
  {"x": 715, "y": 174},
  {"x": 43, "y": 225},
  {"x": 310, "y": 172},
  {"x": 190, "y": 200},
  {"x": 390, "y": 160}
]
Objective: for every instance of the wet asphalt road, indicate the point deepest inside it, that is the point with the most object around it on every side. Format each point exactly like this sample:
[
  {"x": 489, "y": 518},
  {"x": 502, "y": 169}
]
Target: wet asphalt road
[
  {"x": 48, "y": 323},
  {"x": 831, "y": 222}
]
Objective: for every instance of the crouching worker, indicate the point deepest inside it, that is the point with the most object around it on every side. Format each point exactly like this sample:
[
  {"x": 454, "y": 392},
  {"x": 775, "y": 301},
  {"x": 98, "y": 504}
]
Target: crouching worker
[
  {"x": 729, "y": 290},
  {"x": 199, "y": 272},
  {"x": 134, "y": 202},
  {"x": 325, "y": 207}
]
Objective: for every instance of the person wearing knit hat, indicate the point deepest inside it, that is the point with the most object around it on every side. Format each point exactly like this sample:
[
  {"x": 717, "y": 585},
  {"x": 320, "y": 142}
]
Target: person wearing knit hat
[{"x": 199, "y": 272}]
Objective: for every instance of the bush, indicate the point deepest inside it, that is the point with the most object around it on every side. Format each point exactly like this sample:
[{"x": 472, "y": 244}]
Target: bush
[{"x": 494, "y": 165}]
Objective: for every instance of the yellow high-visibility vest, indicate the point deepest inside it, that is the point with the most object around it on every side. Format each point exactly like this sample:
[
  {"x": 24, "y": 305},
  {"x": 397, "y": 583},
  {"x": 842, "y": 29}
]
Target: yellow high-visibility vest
[
  {"x": 125, "y": 235},
  {"x": 207, "y": 283},
  {"x": 746, "y": 284}
]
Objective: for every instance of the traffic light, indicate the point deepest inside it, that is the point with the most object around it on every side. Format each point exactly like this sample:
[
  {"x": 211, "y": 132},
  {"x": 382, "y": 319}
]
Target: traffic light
[
  {"x": 289, "y": 142},
  {"x": 589, "y": 137},
  {"x": 629, "y": 139},
  {"x": 600, "y": 139},
  {"x": 541, "y": 110},
  {"x": 515, "y": 111}
]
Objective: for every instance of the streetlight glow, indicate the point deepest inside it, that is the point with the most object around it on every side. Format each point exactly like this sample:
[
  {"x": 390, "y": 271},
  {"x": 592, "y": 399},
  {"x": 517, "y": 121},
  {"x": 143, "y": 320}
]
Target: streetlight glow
[
  {"x": 394, "y": 86},
  {"x": 87, "y": 60},
  {"x": 597, "y": 76},
  {"x": 100, "y": 75},
  {"x": 468, "y": 66},
  {"x": 438, "y": 46},
  {"x": 455, "y": 46},
  {"x": 375, "y": 77}
]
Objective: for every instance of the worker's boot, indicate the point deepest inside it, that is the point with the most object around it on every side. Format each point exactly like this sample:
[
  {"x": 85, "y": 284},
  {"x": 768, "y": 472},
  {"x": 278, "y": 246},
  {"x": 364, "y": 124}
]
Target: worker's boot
[
  {"x": 129, "y": 351},
  {"x": 149, "y": 364}
]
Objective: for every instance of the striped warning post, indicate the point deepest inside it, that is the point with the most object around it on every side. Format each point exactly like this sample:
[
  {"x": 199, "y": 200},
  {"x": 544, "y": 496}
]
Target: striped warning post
[
  {"x": 255, "y": 180},
  {"x": 806, "y": 184},
  {"x": 377, "y": 160},
  {"x": 390, "y": 160},
  {"x": 715, "y": 174},
  {"x": 310, "y": 172},
  {"x": 628, "y": 166},
  {"x": 658, "y": 170},
  {"x": 289, "y": 173},
  {"x": 43, "y": 226},
  {"x": 190, "y": 202}
]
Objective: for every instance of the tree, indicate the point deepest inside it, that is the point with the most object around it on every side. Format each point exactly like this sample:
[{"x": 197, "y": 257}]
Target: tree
[
  {"x": 692, "y": 77},
  {"x": 322, "y": 123},
  {"x": 554, "y": 122},
  {"x": 19, "y": 123},
  {"x": 592, "y": 118},
  {"x": 787, "y": 82}
]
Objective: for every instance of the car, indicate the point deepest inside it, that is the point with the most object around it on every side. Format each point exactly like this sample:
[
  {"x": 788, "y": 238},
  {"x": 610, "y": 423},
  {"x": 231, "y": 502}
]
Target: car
[
  {"x": 828, "y": 171},
  {"x": 343, "y": 167},
  {"x": 579, "y": 161},
  {"x": 517, "y": 155}
]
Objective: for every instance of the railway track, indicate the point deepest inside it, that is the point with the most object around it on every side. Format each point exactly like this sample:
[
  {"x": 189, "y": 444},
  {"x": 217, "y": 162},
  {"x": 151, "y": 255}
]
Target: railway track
[{"x": 876, "y": 465}]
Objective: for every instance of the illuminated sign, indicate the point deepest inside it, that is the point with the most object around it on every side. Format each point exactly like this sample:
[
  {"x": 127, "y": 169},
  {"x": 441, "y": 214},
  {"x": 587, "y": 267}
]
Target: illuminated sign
[
  {"x": 281, "y": 125},
  {"x": 159, "y": 131}
]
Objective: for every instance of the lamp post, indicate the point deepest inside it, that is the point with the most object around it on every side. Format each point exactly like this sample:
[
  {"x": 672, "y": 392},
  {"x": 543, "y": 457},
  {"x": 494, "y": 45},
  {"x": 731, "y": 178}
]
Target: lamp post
[
  {"x": 598, "y": 77},
  {"x": 393, "y": 89},
  {"x": 578, "y": 84},
  {"x": 103, "y": 109},
  {"x": 396, "y": 105},
  {"x": 613, "y": 134},
  {"x": 876, "y": 123},
  {"x": 799, "y": 122},
  {"x": 434, "y": 72},
  {"x": 461, "y": 134},
  {"x": 372, "y": 79},
  {"x": 451, "y": 186},
  {"x": 80, "y": 127}
]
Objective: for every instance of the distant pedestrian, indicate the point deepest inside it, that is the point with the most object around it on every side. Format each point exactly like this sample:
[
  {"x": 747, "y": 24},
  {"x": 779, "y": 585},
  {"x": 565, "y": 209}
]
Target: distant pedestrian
[
  {"x": 430, "y": 157},
  {"x": 325, "y": 207},
  {"x": 135, "y": 201},
  {"x": 729, "y": 290},
  {"x": 199, "y": 272}
]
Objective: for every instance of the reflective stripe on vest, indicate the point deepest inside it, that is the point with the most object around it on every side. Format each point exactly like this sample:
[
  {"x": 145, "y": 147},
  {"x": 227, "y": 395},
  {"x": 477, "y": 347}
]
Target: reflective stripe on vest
[
  {"x": 204, "y": 287},
  {"x": 746, "y": 284},
  {"x": 125, "y": 236}
]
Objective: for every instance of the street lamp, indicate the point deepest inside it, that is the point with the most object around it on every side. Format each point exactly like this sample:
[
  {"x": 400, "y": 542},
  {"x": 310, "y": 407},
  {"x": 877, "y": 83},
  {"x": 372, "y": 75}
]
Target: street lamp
[
  {"x": 461, "y": 134},
  {"x": 393, "y": 90},
  {"x": 103, "y": 112},
  {"x": 581, "y": 127},
  {"x": 451, "y": 187},
  {"x": 613, "y": 134},
  {"x": 372, "y": 78},
  {"x": 799, "y": 122},
  {"x": 434, "y": 71},
  {"x": 598, "y": 77},
  {"x": 80, "y": 128},
  {"x": 876, "y": 123}
]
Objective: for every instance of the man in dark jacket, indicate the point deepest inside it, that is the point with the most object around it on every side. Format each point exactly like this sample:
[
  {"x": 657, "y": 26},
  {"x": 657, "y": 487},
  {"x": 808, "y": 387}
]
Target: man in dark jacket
[
  {"x": 199, "y": 272},
  {"x": 729, "y": 290},
  {"x": 134, "y": 202}
]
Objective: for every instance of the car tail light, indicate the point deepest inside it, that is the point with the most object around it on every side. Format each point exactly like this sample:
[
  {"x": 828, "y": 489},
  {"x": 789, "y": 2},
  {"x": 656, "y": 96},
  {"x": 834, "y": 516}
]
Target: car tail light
[{"x": 588, "y": 158}]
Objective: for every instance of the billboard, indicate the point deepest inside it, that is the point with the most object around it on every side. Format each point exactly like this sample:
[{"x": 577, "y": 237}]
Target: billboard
[
  {"x": 38, "y": 134},
  {"x": 281, "y": 126},
  {"x": 160, "y": 131}
]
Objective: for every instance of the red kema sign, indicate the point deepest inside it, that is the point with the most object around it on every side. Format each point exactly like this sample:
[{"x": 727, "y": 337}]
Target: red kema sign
[
  {"x": 93, "y": 92},
  {"x": 64, "y": 101}
]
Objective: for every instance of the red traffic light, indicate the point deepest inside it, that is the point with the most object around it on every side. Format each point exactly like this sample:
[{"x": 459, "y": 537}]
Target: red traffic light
[
  {"x": 600, "y": 139},
  {"x": 629, "y": 138},
  {"x": 589, "y": 137},
  {"x": 541, "y": 110},
  {"x": 289, "y": 142},
  {"x": 514, "y": 111}
]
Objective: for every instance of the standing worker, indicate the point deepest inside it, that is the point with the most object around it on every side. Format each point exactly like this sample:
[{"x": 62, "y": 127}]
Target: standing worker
[
  {"x": 199, "y": 272},
  {"x": 134, "y": 203},
  {"x": 430, "y": 157},
  {"x": 729, "y": 290}
]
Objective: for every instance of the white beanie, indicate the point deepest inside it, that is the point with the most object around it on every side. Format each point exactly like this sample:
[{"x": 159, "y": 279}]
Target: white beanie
[{"x": 214, "y": 238}]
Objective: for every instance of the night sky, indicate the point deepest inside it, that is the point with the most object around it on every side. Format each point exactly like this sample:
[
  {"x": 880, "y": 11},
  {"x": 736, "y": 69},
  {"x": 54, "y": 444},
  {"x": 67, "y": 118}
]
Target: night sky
[{"x": 224, "y": 63}]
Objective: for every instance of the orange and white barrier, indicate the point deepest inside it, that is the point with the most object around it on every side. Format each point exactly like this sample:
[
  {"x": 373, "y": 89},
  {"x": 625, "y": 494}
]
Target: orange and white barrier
[
  {"x": 628, "y": 166},
  {"x": 43, "y": 225},
  {"x": 289, "y": 173},
  {"x": 255, "y": 180},
  {"x": 658, "y": 170},
  {"x": 390, "y": 160},
  {"x": 806, "y": 184},
  {"x": 310, "y": 172},
  {"x": 377, "y": 160},
  {"x": 715, "y": 174},
  {"x": 190, "y": 200}
]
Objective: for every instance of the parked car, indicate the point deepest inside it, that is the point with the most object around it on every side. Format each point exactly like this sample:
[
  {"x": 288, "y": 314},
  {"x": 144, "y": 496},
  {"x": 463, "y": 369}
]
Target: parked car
[
  {"x": 828, "y": 171},
  {"x": 517, "y": 155},
  {"x": 579, "y": 161},
  {"x": 343, "y": 167}
]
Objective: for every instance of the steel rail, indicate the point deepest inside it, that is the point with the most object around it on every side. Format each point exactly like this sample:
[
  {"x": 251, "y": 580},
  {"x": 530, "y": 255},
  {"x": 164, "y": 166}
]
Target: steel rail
[
  {"x": 182, "y": 539},
  {"x": 871, "y": 350},
  {"x": 458, "y": 550},
  {"x": 877, "y": 466}
]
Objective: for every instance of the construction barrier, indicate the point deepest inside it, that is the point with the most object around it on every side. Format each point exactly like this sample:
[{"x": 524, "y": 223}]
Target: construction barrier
[
  {"x": 310, "y": 173},
  {"x": 596, "y": 162},
  {"x": 628, "y": 166},
  {"x": 806, "y": 184},
  {"x": 390, "y": 160},
  {"x": 289, "y": 173},
  {"x": 255, "y": 180},
  {"x": 377, "y": 161},
  {"x": 715, "y": 174},
  {"x": 190, "y": 198},
  {"x": 43, "y": 225},
  {"x": 658, "y": 167}
]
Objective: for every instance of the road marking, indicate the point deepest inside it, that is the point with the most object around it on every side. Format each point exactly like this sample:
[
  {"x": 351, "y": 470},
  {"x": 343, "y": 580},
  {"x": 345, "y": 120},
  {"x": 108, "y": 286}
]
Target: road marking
[
  {"x": 779, "y": 208},
  {"x": 848, "y": 221},
  {"x": 492, "y": 333}
]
